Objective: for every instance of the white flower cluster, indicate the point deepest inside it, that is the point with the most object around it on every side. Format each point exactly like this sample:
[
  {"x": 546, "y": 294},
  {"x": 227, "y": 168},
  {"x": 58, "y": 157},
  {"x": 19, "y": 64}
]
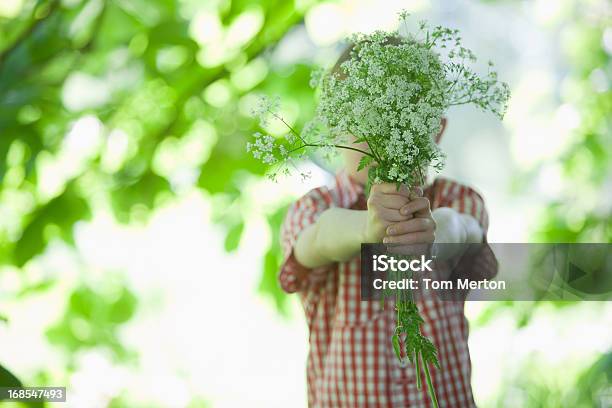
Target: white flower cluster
[
  {"x": 391, "y": 93},
  {"x": 266, "y": 149},
  {"x": 265, "y": 108}
]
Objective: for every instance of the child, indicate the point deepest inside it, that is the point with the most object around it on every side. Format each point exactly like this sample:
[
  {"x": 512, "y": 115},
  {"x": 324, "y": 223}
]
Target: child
[{"x": 351, "y": 362}]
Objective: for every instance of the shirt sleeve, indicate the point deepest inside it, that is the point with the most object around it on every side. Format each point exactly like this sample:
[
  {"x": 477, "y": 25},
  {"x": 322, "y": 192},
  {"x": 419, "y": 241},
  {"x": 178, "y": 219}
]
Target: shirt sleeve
[
  {"x": 300, "y": 215},
  {"x": 481, "y": 264},
  {"x": 465, "y": 200}
]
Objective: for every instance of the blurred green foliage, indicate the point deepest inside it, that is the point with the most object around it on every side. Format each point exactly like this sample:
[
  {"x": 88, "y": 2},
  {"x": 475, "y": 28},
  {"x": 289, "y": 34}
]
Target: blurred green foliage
[
  {"x": 91, "y": 319},
  {"x": 583, "y": 212},
  {"x": 159, "y": 103},
  {"x": 155, "y": 97}
]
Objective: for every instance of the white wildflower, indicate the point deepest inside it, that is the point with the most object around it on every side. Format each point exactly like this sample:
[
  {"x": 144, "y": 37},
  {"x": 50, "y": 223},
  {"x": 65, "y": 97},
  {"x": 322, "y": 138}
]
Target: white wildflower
[{"x": 391, "y": 93}]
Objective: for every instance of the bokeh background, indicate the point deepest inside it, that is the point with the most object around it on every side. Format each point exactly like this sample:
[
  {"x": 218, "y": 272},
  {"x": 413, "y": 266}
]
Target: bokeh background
[{"x": 139, "y": 241}]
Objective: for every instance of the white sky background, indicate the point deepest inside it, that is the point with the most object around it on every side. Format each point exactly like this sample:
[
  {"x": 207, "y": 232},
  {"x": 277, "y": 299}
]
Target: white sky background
[{"x": 202, "y": 329}]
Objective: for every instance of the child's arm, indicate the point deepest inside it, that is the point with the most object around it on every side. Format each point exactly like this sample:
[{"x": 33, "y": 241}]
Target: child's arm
[
  {"x": 455, "y": 227},
  {"x": 338, "y": 233}
]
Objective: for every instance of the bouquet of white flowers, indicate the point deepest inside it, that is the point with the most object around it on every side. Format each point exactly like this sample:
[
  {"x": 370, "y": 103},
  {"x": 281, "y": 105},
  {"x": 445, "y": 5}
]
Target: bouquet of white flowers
[{"x": 391, "y": 93}]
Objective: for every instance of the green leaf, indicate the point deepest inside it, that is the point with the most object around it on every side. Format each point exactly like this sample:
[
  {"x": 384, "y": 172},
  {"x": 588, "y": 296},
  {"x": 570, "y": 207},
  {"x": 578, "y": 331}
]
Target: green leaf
[
  {"x": 123, "y": 309},
  {"x": 36, "y": 288},
  {"x": 396, "y": 346},
  {"x": 364, "y": 162},
  {"x": 8, "y": 379},
  {"x": 83, "y": 302},
  {"x": 57, "y": 217},
  {"x": 141, "y": 190},
  {"x": 268, "y": 284},
  {"x": 232, "y": 239},
  {"x": 92, "y": 318}
]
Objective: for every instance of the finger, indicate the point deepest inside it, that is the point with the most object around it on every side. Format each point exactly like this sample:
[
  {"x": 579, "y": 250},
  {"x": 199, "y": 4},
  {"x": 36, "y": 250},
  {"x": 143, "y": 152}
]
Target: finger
[
  {"x": 418, "y": 207},
  {"x": 390, "y": 188},
  {"x": 392, "y": 201},
  {"x": 416, "y": 192},
  {"x": 390, "y": 215},
  {"x": 413, "y": 225},
  {"x": 423, "y": 237}
]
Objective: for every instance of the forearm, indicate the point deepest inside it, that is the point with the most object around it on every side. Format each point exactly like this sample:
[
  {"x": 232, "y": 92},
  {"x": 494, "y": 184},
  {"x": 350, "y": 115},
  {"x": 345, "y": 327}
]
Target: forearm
[
  {"x": 335, "y": 237},
  {"x": 453, "y": 227}
]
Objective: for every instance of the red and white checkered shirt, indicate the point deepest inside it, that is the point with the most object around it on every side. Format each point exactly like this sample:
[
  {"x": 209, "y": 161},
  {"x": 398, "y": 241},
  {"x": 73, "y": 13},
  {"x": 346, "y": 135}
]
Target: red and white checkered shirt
[{"x": 351, "y": 362}]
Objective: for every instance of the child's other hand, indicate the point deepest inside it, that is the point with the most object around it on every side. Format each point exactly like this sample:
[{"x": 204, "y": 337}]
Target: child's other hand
[
  {"x": 384, "y": 204},
  {"x": 418, "y": 229}
]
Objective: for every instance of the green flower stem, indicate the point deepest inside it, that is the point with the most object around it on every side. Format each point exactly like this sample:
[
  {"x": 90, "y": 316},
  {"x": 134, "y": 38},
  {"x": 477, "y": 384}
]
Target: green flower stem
[
  {"x": 455, "y": 81},
  {"x": 430, "y": 387},
  {"x": 421, "y": 177},
  {"x": 418, "y": 370},
  {"x": 460, "y": 102},
  {"x": 336, "y": 146},
  {"x": 306, "y": 144},
  {"x": 277, "y": 116},
  {"x": 416, "y": 346},
  {"x": 374, "y": 154}
]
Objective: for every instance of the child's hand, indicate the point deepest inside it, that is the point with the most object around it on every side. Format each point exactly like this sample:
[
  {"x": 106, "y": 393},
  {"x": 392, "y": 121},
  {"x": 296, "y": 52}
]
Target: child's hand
[
  {"x": 384, "y": 204},
  {"x": 418, "y": 229}
]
